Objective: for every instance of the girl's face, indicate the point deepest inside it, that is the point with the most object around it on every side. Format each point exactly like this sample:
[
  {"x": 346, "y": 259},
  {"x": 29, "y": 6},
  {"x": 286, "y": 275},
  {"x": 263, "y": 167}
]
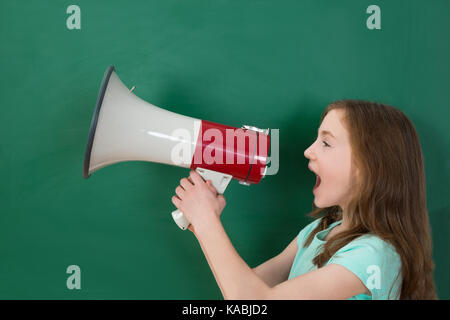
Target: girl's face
[{"x": 330, "y": 158}]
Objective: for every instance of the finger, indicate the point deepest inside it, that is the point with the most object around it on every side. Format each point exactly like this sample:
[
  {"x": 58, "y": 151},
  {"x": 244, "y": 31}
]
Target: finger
[
  {"x": 180, "y": 192},
  {"x": 186, "y": 183},
  {"x": 196, "y": 178},
  {"x": 222, "y": 201},
  {"x": 176, "y": 201},
  {"x": 209, "y": 183}
]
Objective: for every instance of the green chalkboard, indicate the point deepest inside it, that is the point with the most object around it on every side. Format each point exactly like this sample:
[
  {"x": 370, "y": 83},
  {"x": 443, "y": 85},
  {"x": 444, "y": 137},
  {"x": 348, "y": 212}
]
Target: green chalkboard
[{"x": 270, "y": 64}]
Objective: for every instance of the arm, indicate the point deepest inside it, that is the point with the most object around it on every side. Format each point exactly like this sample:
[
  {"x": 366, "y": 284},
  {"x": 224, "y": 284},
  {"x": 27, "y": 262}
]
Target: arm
[
  {"x": 210, "y": 265},
  {"x": 235, "y": 278},
  {"x": 332, "y": 281},
  {"x": 273, "y": 271},
  {"x": 276, "y": 270},
  {"x": 191, "y": 228},
  {"x": 240, "y": 282}
]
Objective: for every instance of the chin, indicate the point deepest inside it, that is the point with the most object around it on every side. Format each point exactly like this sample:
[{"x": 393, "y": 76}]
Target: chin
[
  {"x": 322, "y": 204},
  {"x": 318, "y": 204}
]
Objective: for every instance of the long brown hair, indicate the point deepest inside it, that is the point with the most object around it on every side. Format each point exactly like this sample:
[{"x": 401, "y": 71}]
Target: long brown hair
[{"x": 389, "y": 197}]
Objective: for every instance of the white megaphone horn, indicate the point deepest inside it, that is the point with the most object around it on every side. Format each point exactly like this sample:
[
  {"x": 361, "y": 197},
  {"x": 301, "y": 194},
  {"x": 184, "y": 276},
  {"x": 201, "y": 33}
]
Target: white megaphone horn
[{"x": 127, "y": 128}]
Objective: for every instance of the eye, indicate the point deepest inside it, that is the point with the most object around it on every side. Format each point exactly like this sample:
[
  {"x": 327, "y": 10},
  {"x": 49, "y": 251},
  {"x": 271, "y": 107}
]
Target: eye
[{"x": 326, "y": 144}]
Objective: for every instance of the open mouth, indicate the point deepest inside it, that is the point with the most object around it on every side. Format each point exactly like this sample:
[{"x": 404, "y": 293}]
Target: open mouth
[{"x": 317, "y": 182}]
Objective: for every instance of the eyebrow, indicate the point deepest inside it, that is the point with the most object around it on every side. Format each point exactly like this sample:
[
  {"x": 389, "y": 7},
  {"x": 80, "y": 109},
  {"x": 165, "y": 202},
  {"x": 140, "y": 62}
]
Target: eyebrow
[{"x": 325, "y": 133}]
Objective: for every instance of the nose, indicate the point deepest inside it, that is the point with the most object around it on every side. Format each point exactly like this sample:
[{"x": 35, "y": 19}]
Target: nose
[{"x": 309, "y": 154}]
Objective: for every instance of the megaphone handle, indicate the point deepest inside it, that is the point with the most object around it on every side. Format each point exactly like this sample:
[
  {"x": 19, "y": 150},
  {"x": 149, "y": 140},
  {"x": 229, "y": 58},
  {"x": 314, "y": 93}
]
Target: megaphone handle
[
  {"x": 180, "y": 219},
  {"x": 219, "y": 181}
]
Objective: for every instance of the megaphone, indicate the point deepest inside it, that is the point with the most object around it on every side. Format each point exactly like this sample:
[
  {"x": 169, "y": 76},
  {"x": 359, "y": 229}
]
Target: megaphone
[{"x": 126, "y": 128}]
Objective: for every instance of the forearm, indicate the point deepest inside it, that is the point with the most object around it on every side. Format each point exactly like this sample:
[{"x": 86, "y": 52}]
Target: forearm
[
  {"x": 235, "y": 278},
  {"x": 266, "y": 272},
  {"x": 211, "y": 267}
]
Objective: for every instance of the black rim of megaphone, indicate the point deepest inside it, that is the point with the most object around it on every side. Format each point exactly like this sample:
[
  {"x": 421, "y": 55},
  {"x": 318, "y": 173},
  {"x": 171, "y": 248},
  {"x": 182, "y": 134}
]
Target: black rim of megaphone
[{"x": 101, "y": 94}]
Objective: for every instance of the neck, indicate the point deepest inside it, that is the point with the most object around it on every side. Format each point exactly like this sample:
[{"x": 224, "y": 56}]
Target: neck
[{"x": 345, "y": 220}]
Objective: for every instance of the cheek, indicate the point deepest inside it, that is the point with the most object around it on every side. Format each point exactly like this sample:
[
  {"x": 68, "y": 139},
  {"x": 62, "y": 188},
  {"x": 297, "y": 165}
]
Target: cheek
[{"x": 338, "y": 174}]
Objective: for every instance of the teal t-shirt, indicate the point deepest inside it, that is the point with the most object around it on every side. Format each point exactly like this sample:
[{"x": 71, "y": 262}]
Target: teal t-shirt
[{"x": 370, "y": 258}]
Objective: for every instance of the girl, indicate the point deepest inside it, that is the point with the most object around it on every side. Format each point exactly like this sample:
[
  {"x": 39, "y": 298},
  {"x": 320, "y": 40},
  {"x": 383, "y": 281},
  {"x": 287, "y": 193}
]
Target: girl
[{"x": 371, "y": 236}]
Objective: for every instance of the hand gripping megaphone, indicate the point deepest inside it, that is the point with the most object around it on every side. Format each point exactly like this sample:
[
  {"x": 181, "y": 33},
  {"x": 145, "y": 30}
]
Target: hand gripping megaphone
[{"x": 126, "y": 128}]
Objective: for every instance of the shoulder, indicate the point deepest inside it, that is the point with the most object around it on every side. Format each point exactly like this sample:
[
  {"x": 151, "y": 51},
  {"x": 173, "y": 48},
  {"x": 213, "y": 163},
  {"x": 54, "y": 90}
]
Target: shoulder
[
  {"x": 369, "y": 248},
  {"x": 374, "y": 260},
  {"x": 311, "y": 226},
  {"x": 372, "y": 244}
]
